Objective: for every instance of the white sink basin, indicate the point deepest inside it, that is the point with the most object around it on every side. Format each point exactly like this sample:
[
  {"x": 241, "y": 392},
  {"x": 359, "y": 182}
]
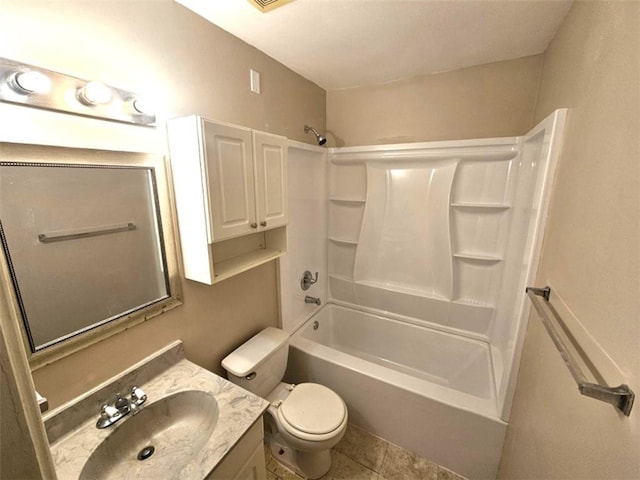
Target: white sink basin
[
  {"x": 157, "y": 442},
  {"x": 192, "y": 418}
]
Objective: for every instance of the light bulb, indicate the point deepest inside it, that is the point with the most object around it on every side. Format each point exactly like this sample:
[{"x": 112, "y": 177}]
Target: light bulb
[
  {"x": 145, "y": 105},
  {"x": 95, "y": 93},
  {"x": 30, "y": 81}
]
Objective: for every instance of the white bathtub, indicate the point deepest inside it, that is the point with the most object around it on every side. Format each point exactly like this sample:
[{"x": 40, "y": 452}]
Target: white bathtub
[{"x": 428, "y": 391}]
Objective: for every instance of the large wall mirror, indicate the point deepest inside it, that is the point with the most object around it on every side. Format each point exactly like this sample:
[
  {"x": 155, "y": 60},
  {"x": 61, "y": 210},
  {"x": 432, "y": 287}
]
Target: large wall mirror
[{"x": 84, "y": 240}]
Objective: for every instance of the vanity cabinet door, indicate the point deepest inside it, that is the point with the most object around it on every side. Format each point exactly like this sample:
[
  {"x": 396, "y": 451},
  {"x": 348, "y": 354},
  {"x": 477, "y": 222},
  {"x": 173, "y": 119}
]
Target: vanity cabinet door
[
  {"x": 270, "y": 153},
  {"x": 255, "y": 468},
  {"x": 230, "y": 175},
  {"x": 245, "y": 461}
]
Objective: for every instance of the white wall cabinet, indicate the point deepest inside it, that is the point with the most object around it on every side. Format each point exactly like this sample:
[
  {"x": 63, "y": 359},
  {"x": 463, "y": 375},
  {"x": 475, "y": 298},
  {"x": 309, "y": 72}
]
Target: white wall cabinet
[{"x": 230, "y": 193}]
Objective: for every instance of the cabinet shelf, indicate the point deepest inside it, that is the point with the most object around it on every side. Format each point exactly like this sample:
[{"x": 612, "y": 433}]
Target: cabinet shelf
[
  {"x": 479, "y": 257},
  {"x": 481, "y": 206},
  {"x": 233, "y": 266}
]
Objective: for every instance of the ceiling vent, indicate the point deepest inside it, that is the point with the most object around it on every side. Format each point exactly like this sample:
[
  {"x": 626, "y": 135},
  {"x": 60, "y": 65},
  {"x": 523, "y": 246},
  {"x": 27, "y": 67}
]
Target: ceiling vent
[{"x": 268, "y": 5}]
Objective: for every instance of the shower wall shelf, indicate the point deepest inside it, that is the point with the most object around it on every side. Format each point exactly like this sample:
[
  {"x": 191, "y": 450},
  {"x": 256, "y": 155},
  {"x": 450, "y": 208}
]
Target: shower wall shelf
[
  {"x": 343, "y": 240},
  {"x": 478, "y": 257},
  {"x": 621, "y": 397},
  {"x": 348, "y": 200},
  {"x": 487, "y": 206}
]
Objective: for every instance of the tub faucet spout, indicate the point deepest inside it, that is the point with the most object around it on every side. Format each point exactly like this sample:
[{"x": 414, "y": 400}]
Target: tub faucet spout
[{"x": 315, "y": 300}]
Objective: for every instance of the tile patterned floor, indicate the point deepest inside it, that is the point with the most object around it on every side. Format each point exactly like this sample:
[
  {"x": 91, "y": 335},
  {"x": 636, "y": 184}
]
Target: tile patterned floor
[{"x": 363, "y": 456}]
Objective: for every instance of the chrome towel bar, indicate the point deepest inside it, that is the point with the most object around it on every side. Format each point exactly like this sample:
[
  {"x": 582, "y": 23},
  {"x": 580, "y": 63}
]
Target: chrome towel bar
[
  {"x": 84, "y": 233},
  {"x": 621, "y": 397}
]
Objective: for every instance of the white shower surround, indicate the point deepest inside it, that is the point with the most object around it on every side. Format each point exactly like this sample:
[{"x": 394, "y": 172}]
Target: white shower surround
[{"x": 483, "y": 204}]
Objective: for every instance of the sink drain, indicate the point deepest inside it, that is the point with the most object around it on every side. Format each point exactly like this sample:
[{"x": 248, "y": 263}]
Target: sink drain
[{"x": 146, "y": 452}]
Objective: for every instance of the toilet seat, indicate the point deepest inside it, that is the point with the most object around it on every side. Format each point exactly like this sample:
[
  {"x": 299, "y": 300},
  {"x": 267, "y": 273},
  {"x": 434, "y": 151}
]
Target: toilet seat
[{"x": 312, "y": 412}]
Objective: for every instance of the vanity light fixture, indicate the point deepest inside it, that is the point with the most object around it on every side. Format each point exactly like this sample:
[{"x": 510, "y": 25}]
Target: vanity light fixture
[
  {"x": 30, "y": 81},
  {"x": 144, "y": 105},
  {"x": 95, "y": 93},
  {"x": 36, "y": 87}
]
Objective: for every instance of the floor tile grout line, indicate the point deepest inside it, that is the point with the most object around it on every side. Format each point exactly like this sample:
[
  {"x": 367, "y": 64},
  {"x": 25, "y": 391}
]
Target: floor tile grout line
[
  {"x": 355, "y": 460},
  {"x": 362, "y": 464},
  {"x": 385, "y": 443},
  {"x": 385, "y": 457}
]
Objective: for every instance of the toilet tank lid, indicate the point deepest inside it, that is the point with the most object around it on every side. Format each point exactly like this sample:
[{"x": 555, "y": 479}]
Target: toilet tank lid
[{"x": 246, "y": 358}]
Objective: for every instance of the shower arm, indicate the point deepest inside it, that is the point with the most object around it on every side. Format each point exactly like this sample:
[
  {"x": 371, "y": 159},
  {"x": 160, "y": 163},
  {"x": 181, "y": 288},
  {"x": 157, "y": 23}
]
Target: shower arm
[{"x": 321, "y": 139}]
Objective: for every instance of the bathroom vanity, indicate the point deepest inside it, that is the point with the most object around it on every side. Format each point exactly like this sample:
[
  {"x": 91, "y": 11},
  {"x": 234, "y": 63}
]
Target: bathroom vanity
[{"x": 193, "y": 424}]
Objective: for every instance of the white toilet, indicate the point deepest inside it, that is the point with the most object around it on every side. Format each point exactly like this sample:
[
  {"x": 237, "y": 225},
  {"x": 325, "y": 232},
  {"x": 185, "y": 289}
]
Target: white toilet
[{"x": 303, "y": 421}]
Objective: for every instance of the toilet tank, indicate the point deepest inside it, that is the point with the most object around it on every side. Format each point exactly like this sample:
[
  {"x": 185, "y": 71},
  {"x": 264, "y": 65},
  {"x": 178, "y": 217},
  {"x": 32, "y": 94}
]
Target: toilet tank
[{"x": 264, "y": 355}]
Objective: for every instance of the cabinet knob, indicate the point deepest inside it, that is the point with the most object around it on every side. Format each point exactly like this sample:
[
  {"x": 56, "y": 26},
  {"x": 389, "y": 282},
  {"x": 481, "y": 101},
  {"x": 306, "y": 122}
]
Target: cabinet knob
[
  {"x": 254, "y": 225},
  {"x": 263, "y": 223}
]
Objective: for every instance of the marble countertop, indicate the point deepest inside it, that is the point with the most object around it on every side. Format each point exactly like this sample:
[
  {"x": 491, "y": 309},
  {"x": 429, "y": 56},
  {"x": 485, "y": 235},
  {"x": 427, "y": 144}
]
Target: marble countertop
[{"x": 73, "y": 435}]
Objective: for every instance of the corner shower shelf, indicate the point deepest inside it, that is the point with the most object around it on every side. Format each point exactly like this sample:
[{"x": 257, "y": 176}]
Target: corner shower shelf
[
  {"x": 348, "y": 200},
  {"x": 485, "y": 206},
  {"x": 343, "y": 240},
  {"x": 479, "y": 257}
]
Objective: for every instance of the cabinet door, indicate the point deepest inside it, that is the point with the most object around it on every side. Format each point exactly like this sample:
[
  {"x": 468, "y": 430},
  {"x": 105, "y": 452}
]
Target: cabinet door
[
  {"x": 255, "y": 468},
  {"x": 270, "y": 152},
  {"x": 229, "y": 164}
]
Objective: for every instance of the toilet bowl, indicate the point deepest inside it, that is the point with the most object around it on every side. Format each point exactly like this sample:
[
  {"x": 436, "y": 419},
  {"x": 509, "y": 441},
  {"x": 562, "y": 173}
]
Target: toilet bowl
[{"x": 303, "y": 422}]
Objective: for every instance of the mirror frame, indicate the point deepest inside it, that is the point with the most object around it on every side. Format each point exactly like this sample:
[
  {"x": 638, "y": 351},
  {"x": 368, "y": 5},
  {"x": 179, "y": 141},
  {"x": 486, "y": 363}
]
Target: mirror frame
[{"x": 50, "y": 154}]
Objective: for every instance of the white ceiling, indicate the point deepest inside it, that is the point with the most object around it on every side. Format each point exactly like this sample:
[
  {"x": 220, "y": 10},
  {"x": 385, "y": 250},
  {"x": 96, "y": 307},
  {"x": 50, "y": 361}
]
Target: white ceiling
[{"x": 347, "y": 43}]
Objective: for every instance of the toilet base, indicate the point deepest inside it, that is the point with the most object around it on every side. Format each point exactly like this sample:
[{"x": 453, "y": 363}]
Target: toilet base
[{"x": 310, "y": 465}]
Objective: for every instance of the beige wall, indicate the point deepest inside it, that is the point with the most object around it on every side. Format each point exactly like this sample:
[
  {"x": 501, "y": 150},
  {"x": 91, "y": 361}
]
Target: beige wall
[
  {"x": 192, "y": 67},
  {"x": 492, "y": 100},
  {"x": 591, "y": 252},
  {"x": 17, "y": 449},
  {"x": 158, "y": 46},
  {"x": 24, "y": 449}
]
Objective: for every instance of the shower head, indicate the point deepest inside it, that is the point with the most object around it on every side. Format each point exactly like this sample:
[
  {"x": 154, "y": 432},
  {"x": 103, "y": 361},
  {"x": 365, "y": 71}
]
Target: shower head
[{"x": 321, "y": 140}]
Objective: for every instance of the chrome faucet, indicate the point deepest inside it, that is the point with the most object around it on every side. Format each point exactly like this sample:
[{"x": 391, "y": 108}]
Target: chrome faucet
[
  {"x": 315, "y": 300},
  {"x": 121, "y": 408}
]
